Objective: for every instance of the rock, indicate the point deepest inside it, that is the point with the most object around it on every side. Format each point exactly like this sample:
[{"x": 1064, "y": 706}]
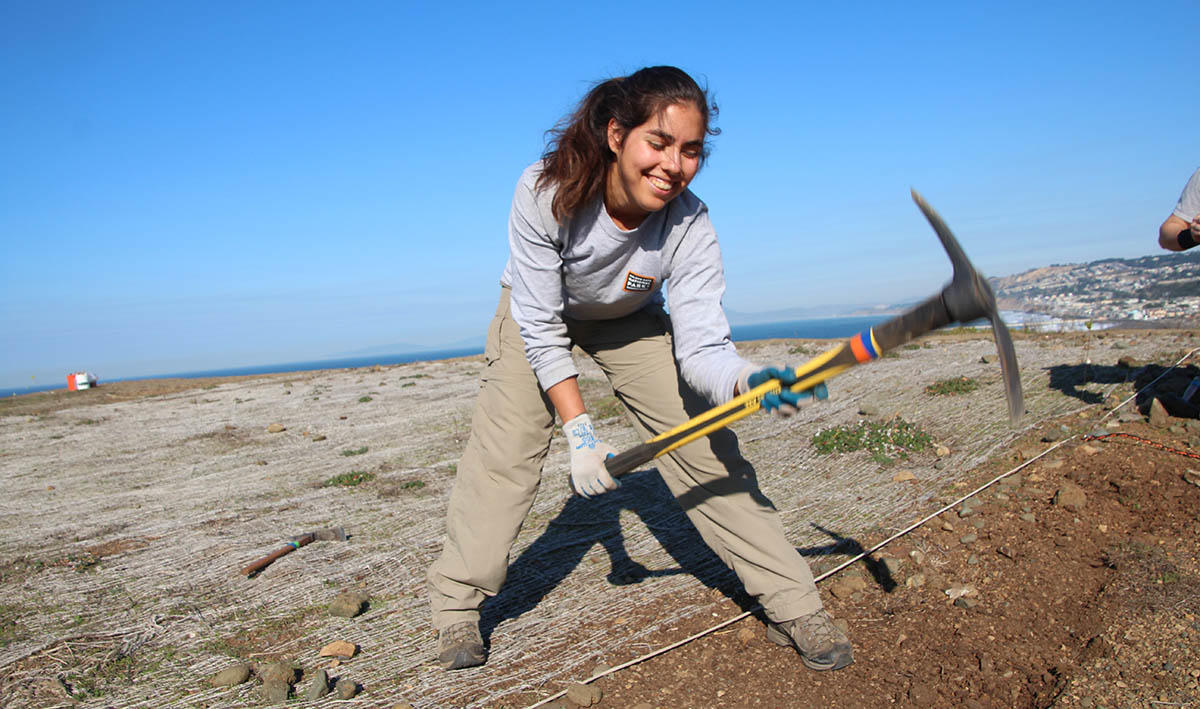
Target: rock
[
  {"x": 277, "y": 672},
  {"x": 1129, "y": 362},
  {"x": 966, "y": 603},
  {"x": 978, "y": 523},
  {"x": 1007, "y": 552},
  {"x": 318, "y": 437},
  {"x": 1159, "y": 417},
  {"x": 601, "y": 668},
  {"x": 1011, "y": 482},
  {"x": 892, "y": 565},
  {"x": 972, "y": 560},
  {"x": 961, "y": 590},
  {"x": 985, "y": 663},
  {"x": 922, "y": 695},
  {"x": 339, "y": 649},
  {"x": 965, "y": 511},
  {"x": 1071, "y": 496},
  {"x": 841, "y": 589},
  {"x": 987, "y": 359},
  {"x": 841, "y": 624},
  {"x": 970, "y": 538},
  {"x": 939, "y": 464},
  {"x": 274, "y": 691},
  {"x": 276, "y": 428},
  {"x": 585, "y": 695},
  {"x": 348, "y": 604},
  {"x": 946, "y": 526},
  {"x": 856, "y": 583},
  {"x": 230, "y": 676},
  {"x": 917, "y": 556},
  {"x": 319, "y": 686},
  {"x": 941, "y": 451},
  {"x": 903, "y": 476},
  {"x": 915, "y": 581},
  {"x": 346, "y": 688},
  {"x": 868, "y": 410},
  {"x": 1192, "y": 477},
  {"x": 402, "y": 705},
  {"x": 1052, "y": 435},
  {"x": 746, "y": 636}
]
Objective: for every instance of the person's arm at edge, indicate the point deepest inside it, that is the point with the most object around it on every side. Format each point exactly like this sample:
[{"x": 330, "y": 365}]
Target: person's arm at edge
[{"x": 1170, "y": 231}]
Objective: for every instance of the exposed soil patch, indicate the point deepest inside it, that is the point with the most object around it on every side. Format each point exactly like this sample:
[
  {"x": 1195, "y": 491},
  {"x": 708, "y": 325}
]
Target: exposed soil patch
[{"x": 1085, "y": 603}]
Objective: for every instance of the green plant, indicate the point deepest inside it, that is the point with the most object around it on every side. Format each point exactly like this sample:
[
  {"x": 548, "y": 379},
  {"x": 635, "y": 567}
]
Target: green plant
[
  {"x": 413, "y": 485},
  {"x": 607, "y": 407},
  {"x": 953, "y": 386},
  {"x": 354, "y": 451},
  {"x": 885, "y": 441},
  {"x": 356, "y": 477},
  {"x": 364, "y": 399}
]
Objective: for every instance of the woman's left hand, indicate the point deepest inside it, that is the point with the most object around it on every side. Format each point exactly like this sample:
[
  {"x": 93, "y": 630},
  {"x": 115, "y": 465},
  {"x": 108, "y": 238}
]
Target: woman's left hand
[{"x": 784, "y": 402}]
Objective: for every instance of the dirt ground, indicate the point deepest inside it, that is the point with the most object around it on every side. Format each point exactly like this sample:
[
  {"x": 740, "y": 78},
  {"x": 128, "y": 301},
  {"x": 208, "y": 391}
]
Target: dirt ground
[
  {"x": 1091, "y": 601},
  {"x": 1072, "y": 581}
]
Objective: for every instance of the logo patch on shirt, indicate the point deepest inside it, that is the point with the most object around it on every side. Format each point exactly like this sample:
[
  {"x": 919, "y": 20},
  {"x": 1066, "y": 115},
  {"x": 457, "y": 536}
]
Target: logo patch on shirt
[{"x": 634, "y": 282}]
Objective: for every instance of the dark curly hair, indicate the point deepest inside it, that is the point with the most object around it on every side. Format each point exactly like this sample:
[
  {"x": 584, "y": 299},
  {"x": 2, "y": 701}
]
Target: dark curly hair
[{"x": 577, "y": 153}]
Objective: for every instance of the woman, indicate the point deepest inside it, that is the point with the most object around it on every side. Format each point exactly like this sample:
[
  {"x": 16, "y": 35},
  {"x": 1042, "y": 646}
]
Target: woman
[{"x": 596, "y": 227}]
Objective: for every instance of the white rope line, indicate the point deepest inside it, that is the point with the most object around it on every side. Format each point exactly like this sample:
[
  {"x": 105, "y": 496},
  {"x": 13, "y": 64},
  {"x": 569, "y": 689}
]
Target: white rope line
[{"x": 872, "y": 550}]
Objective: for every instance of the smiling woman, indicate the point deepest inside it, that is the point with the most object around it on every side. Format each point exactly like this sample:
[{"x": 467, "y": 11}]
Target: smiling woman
[{"x": 596, "y": 228}]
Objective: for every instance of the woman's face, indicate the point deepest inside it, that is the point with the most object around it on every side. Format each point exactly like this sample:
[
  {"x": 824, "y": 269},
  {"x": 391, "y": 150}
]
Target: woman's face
[{"x": 655, "y": 163}]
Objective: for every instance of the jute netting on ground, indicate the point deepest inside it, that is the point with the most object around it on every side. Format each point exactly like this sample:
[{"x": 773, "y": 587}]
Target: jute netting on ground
[{"x": 124, "y": 525}]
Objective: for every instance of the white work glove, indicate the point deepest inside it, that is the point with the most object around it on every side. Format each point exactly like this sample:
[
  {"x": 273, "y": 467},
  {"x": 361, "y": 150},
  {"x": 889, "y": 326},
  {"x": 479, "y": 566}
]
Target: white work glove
[
  {"x": 589, "y": 477},
  {"x": 786, "y": 402}
]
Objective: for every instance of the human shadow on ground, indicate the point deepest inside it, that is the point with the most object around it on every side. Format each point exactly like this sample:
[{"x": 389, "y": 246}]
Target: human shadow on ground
[
  {"x": 1170, "y": 390},
  {"x": 851, "y": 547},
  {"x": 1067, "y": 378},
  {"x": 583, "y": 523}
]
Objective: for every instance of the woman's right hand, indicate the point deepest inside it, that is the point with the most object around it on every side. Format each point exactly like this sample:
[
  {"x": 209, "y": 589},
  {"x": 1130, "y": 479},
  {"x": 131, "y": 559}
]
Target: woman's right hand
[{"x": 589, "y": 477}]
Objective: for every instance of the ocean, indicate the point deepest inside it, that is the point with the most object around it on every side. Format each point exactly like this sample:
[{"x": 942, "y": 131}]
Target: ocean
[{"x": 816, "y": 328}]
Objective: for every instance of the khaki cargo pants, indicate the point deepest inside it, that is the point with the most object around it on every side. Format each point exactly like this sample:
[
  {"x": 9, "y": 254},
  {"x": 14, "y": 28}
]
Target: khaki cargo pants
[{"x": 510, "y": 436}]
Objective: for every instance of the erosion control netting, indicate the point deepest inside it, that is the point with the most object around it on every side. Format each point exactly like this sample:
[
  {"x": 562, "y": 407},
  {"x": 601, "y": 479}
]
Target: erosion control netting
[{"x": 125, "y": 525}]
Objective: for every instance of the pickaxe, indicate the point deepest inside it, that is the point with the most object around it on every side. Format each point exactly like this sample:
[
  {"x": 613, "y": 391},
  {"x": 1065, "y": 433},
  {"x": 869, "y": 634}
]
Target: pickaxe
[
  {"x": 966, "y": 298},
  {"x": 333, "y": 534}
]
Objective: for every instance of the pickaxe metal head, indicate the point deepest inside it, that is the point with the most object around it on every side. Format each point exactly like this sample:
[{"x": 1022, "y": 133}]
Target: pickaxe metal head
[
  {"x": 333, "y": 534},
  {"x": 968, "y": 297}
]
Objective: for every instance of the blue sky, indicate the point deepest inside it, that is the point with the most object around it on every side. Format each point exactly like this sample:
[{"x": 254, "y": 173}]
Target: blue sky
[{"x": 198, "y": 185}]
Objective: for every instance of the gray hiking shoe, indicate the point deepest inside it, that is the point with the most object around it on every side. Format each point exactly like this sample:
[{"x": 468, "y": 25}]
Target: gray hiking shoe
[
  {"x": 460, "y": 646},
  {"x": 822, "y": 645}
]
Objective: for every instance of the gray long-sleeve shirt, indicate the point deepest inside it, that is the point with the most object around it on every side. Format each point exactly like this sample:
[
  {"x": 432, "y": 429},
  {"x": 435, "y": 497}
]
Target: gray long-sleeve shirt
[
  {"x": 591, "y": 269},
  {"x": 1189, "y": 202}
]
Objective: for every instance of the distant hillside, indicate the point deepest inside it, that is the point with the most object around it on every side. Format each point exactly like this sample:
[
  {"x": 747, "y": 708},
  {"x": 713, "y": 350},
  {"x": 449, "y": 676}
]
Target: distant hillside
[{"x": 1146, "y": 288}]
